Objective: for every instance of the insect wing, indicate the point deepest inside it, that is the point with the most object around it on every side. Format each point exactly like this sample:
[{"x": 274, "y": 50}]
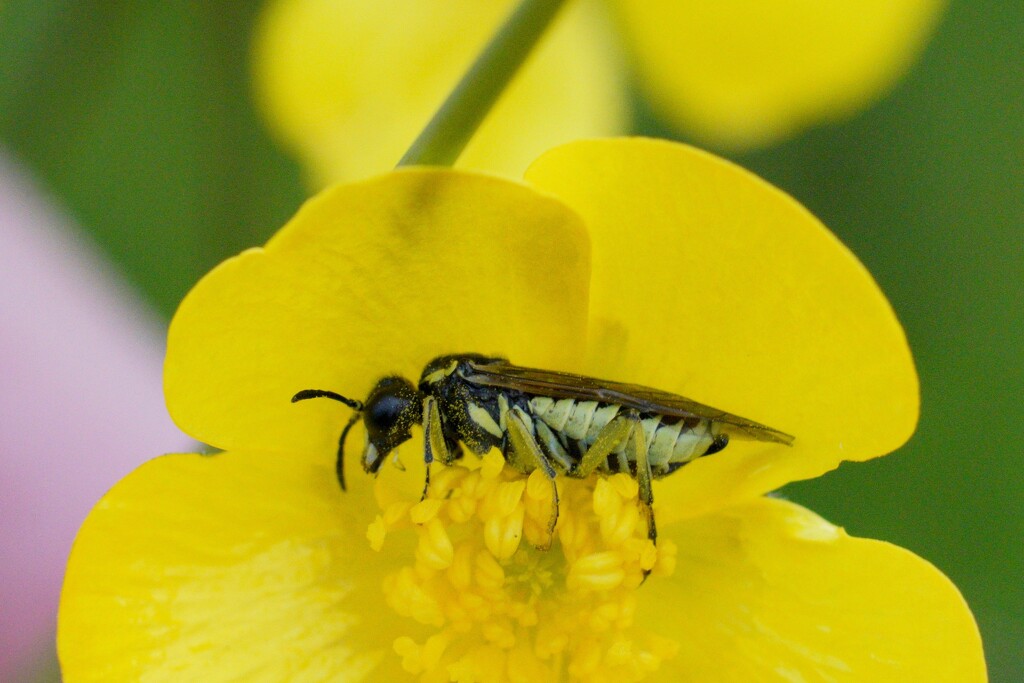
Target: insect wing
[{"x": 645, "y": 399}]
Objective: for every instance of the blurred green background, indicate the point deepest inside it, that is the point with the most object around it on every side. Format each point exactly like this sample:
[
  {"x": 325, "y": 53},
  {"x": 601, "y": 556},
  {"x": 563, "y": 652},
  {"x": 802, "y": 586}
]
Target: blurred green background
[{"x": 138, "y": 118}]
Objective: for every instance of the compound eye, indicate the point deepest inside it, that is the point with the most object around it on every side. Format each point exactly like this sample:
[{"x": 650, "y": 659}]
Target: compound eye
[
  {"x": 384, "y": 414},
  {"x": 391, "y": 407}
]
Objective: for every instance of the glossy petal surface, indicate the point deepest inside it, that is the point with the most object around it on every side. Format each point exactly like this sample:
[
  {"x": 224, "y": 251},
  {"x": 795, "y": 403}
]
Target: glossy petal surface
[
  {"x": 369, "y": 279},
  {"x": 746, "y": 72},
  {"x": 710, "y": 283},
  {"x": 769, "y": 591},
  {"x": 350, "y": 84},
  {"x": 236, "y": 566}
]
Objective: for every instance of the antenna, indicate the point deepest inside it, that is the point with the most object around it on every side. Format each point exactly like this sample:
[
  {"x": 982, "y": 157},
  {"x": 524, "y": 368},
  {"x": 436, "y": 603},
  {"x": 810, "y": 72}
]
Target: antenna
[{"x": 321, "y": 393}]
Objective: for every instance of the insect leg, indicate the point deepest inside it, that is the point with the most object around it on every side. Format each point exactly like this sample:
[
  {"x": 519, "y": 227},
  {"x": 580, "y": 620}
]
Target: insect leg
[
  {"x": 527, "y": 448},
  {"x": 637, "y": 448},
  {"x": 550, "y": 444},
  {"x": 433, "y": 439},
  {"x": 610, "y": 436}
]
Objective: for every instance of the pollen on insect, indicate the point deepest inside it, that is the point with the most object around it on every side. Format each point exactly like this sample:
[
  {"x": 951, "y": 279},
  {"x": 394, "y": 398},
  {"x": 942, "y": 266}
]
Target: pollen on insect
[{"x": 503, "y": 609}]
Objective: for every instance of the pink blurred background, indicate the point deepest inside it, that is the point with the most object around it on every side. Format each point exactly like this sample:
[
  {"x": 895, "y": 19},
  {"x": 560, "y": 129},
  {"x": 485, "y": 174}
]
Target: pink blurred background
[{"x": 80, "y": 406}]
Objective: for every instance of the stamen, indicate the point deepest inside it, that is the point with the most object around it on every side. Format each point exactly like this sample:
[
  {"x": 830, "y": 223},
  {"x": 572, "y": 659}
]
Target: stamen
[
  {"x": 503, "y": 609},
  {"x": 435, "y": 549}
]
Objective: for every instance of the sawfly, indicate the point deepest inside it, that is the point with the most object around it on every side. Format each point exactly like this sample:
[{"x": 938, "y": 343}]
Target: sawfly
[{"x": 556, "y": 422}]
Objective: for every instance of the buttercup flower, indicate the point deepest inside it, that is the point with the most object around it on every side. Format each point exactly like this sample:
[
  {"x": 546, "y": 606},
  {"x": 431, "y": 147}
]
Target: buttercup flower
[
  {"x": 637, "y": 260},
  {"x": 347, "y": 85}
]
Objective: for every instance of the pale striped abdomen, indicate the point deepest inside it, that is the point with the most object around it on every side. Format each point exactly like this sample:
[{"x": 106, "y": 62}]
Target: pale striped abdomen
[{"x": 568, "y": 427}]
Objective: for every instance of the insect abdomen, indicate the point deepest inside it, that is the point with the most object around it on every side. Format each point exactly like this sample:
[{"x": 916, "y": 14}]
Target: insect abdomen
[{"x": 670, "y": 441}]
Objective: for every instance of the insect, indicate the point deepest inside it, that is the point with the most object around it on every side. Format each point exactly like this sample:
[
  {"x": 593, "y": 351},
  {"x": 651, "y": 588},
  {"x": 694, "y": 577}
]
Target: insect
[{"x": 556, "y": 422}]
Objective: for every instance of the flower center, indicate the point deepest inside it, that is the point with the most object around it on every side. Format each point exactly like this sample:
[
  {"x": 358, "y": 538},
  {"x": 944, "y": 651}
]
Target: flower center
[{"x": 506, "y": 610}]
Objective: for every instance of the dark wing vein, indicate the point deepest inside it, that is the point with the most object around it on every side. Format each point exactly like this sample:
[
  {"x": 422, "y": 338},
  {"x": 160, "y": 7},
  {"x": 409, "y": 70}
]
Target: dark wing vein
[{"x": 645, "y": 399}]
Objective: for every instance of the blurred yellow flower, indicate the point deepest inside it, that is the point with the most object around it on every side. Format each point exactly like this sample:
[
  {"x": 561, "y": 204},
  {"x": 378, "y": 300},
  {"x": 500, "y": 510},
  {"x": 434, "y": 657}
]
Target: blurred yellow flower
[
  {"x": 745, "y": 73},
  {"x": 347, "y": 84},
  {"x": 633, "y": 259}
]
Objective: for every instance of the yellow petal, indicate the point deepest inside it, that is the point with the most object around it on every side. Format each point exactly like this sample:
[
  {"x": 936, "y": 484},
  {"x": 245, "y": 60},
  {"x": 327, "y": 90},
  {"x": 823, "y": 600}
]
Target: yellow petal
[
  {"x": 710, "y": 283},
  {"x": 369, "y": 279},
  {"x": 348, "y": 85},
  {"x": 746, "y": 72},
  {"x": 239, "y": 565},
  {"x": 769, "y": 591}
]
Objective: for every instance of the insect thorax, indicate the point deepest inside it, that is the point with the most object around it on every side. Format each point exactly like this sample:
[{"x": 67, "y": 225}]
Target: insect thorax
[{"x": 470, "y": 413}]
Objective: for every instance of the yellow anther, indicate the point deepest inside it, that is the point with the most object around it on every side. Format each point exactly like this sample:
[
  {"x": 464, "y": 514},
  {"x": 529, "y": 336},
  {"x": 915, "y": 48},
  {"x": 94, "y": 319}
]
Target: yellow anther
[
  {"x": 599, "y": 571},
  {"x": 478, "y": 486},
  {"x": 533, "y": 531},
  {"x": 470, "y": 487},
  {"x": 405, "y": 595},
  {"x": 607, "y": 500},
  {"x": 509, "y": 496},
  {"x": 625, "y": 485},
  {"x": 492, "y": 465},
  {"x": 460, "y": 573},
  {"x": 572, "y": 533},
  {"x": 599, "y": 562},
  {"x": 618, "y": 527},
  {"x": 489, "y": 574},
  {"x": 461, "y": 508},
  {"x": 502, "y": 534},
  {"x": 395, "y": 512},
  {"x": 445, "y": 479},
  {"x": 476, "y": 606},
  {"x": 433, "y": 649},
  {"x": 540, "y": 509},
  {"x": 636, "y": 554},
  {"x": 537, "y": 509},
  {"x": 406, "y": 648},
  {"x": 666, "y": 562},
  {"x": 538, "y": 486},
  {"x": 435, "y": 549},
  {"x": 376, "y": 532},
  {"x": 425, "y": 510}
]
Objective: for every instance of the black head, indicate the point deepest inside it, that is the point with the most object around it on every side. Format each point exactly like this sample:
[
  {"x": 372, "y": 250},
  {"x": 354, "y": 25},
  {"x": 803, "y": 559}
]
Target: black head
[
  {"x": 391, "y": 410},
  {"x": 389, "y": 413}
]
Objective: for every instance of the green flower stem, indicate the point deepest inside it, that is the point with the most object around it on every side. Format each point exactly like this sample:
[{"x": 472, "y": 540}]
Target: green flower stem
[{"x": 448, "y": 133}]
